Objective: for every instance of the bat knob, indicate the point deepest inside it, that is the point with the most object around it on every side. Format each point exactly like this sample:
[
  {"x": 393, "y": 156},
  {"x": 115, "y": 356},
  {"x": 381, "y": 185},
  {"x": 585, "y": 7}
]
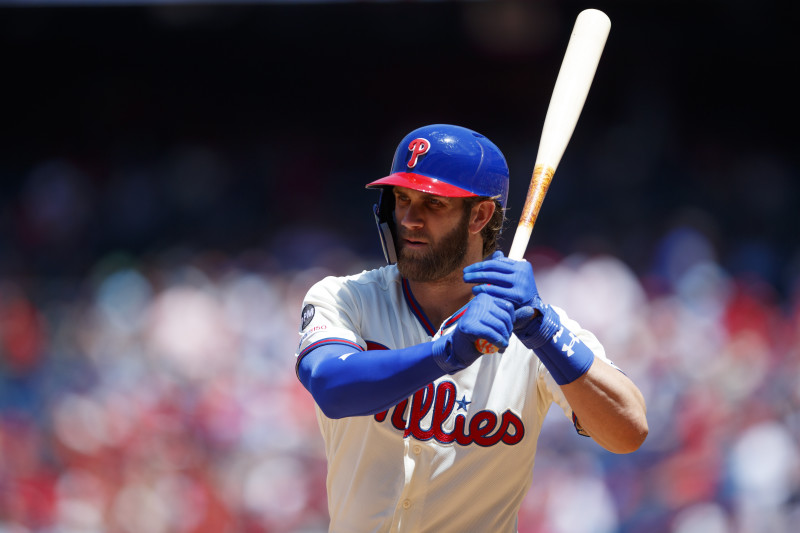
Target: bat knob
[{"x": 484, "y": 346}]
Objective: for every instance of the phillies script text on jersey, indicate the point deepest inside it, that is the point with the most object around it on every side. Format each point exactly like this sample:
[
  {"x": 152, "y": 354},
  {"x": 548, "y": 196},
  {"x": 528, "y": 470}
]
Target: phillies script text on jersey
[{"x": 485, "y": 427}]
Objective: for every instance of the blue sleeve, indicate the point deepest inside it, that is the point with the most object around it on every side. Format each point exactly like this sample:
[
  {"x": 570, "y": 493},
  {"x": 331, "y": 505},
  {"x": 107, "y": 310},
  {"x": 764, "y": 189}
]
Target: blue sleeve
[{"x": 346, "y": 382}]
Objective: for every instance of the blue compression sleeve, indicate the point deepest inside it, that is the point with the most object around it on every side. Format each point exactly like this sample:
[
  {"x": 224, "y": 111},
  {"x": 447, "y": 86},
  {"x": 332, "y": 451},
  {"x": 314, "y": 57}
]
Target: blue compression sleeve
[{"x": 345, "y": 383}]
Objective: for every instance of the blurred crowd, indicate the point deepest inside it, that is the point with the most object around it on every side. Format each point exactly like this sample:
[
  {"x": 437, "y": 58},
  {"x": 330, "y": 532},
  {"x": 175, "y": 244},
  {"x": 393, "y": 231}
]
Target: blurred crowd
[
  {"x": 157, "y": 394},
  {"x": 165, "y": 203}
]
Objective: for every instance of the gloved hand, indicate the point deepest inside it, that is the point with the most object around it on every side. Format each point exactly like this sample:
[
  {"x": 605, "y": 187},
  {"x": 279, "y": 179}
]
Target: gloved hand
[
  {"x": 486, "y": 318},
  {"x": 509, "y": 280},
  {"x": 536, "y": 325}
]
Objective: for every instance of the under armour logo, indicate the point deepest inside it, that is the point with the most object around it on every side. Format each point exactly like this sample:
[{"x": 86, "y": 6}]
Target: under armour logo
[
  {"x": 417, "y": 147},
  {"x": 568, "y": 347}
]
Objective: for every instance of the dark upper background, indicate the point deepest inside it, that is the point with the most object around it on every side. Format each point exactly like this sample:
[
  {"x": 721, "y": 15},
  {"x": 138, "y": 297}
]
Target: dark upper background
[{"x": 255, "y": 126}]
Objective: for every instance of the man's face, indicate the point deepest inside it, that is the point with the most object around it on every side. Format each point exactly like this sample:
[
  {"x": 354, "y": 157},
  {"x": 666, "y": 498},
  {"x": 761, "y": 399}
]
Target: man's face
[{"x": 432, "y": 234}]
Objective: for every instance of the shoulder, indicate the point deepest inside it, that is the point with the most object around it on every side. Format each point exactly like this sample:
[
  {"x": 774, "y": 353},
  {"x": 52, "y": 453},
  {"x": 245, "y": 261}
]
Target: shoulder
[
  {"x": 382, "y": 277},
  {"x": 377, "y": 280}
]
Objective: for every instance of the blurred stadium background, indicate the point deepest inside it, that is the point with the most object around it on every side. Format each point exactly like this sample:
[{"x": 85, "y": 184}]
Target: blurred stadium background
[{"x": 174, "y": 176}]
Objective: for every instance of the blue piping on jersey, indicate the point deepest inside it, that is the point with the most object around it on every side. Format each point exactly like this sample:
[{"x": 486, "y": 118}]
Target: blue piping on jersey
[
  {"x": 423, "y": 320},
  {"x": 416, "y": 309}
]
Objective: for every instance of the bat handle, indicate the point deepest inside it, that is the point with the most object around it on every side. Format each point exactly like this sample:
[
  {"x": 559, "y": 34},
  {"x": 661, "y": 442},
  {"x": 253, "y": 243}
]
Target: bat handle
[
  {"x": 520, "y": 242},
  {"x": 540, "y": 182},
  {"x": 484, "y": 346}
]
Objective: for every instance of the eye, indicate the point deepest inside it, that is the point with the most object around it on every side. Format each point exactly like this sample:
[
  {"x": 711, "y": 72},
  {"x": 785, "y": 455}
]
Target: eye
[{"x": 435, "y": 202}]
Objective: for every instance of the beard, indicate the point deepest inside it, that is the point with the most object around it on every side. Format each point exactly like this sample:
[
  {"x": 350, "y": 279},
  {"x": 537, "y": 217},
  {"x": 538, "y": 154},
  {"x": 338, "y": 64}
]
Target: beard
[{"x": 439, "y": 261}]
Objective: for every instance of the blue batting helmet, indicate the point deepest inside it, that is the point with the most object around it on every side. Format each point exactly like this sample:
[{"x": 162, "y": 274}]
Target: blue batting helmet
[{"x": 443, "y": 160}]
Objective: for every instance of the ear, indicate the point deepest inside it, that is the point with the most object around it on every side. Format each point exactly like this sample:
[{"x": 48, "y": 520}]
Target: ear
[{"x": 481, "y": 215}]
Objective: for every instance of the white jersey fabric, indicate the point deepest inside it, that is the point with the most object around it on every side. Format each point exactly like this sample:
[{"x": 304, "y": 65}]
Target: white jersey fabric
[{"x": 457, "y": 455}]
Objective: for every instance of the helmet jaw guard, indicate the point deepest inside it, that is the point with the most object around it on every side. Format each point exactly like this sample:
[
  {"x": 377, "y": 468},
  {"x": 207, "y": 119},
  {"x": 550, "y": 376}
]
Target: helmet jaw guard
[
  {"x": 384, "y": 219},
  {"x": 442, "y": 160}
]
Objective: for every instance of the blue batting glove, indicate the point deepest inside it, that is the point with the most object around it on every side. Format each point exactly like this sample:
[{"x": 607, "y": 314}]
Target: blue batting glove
[
  {"x": 536, "y": 325},
  {"x": 510, "y": 280},
  {"x": 485, "y": 318}
]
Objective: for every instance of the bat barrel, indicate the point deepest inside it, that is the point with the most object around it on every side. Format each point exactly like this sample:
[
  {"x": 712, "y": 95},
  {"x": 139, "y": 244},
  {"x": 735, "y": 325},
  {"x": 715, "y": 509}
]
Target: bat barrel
[
  {"x": 569, "y": 94},
  {"x": 566, "y": 103}
]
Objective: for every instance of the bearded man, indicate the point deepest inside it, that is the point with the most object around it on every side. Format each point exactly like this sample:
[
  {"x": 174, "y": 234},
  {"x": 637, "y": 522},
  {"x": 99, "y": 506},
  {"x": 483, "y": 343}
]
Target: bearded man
[{"x": 423, "y": 430}]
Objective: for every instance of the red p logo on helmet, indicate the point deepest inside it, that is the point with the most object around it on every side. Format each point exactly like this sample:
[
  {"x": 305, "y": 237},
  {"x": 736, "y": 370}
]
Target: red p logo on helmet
[{"x": 417, "y": 147}]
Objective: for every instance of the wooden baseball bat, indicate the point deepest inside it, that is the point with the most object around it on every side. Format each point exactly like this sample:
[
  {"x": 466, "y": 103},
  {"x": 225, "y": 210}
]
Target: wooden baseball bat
[
  {"x": 566, "y": 103},
  {"x": 574, "y": 79}
]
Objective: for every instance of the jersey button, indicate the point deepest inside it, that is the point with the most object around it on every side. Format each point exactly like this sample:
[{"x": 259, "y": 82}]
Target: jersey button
[
  {"x": 417, "y": 449},
  {"x": 406, "y": 504}
]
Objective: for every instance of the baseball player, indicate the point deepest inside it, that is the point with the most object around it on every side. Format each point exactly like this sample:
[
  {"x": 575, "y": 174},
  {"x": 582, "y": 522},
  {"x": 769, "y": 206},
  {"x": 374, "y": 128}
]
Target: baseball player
[{"x": 423, "y": 431}]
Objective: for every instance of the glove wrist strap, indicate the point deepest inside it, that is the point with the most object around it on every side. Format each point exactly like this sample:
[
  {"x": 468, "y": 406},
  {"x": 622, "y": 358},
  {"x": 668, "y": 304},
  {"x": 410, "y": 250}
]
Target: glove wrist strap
[
  {"x": 444, "y": 355},
  {"x": 542, "y": 323}
]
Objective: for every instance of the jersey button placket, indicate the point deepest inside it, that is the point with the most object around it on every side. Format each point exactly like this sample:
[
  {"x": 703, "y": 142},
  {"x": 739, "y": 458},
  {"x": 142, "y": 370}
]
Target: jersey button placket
[{"x": 417, "y": 475}]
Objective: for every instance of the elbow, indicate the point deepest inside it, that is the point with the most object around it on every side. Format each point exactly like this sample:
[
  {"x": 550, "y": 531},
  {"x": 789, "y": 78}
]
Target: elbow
[
  {"x": 634, "y": 438},
  {"x": 314, "y": 381},
  {"x": 326, "y": 397},
  {"x": 643, "y": 432},
  {"x": 639, "y": 429},
  {"x": 622, "y": 438},
  {"x": 323, "y": 383},
  {"x": 636, "y": 429},
  {"x": 332, "y": 413},
  {"x": 329, "y": 407}
]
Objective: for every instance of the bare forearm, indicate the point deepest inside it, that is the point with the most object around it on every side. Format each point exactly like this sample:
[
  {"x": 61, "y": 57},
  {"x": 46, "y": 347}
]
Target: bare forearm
[{"x": 609, "y": 407}]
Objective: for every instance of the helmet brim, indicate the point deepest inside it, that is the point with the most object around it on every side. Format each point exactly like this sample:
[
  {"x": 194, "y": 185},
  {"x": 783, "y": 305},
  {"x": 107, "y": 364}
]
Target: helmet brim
[{"x": 421, "y": 183}]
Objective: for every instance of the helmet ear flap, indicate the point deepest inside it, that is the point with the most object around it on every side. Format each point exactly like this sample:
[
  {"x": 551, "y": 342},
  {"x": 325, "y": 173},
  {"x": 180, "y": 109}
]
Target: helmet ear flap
[{"x": 384, "y": 219}]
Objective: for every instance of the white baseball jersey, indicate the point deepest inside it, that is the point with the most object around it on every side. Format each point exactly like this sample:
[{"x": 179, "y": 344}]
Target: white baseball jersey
[{"x": 455, "y": 456}]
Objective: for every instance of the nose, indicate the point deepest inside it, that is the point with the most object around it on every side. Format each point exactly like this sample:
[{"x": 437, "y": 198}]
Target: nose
[{"x": 411, "y": 216}]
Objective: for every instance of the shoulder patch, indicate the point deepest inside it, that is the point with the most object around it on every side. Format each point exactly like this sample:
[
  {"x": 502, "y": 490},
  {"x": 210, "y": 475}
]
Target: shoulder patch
[{"x": 307, "y": 316}]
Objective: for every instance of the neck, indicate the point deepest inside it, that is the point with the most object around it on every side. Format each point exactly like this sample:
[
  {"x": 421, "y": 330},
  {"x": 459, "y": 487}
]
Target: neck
[{"x": 441, "y": 298}]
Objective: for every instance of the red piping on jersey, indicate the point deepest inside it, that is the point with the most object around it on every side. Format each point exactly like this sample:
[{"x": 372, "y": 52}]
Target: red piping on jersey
[
  {"x": 453, "y": 319},
  {"x": 372, "y": 345},
  {"x": 332, "y": 340}
]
